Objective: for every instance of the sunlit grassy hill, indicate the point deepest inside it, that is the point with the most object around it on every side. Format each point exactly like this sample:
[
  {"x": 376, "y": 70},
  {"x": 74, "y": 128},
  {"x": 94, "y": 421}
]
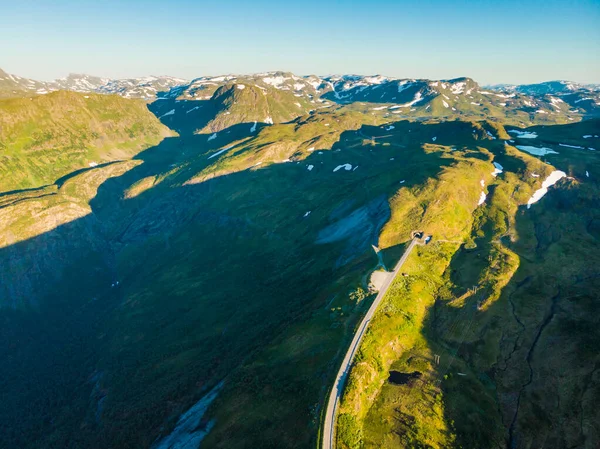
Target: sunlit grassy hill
[
  {"x": 45, "y": 137},
  {"x": 149, "y": 253}
]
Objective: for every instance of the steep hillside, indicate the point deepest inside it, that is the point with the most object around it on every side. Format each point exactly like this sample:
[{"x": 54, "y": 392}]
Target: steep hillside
[
  {"x": 158, "y": 292},
  {"x": 241, "y": 103},
  {"x": 78, "y": 82},
  {"x": 204, "y": 87},
  {"x": 289, "y": 96},
  {"x": 45, "y": 137},
  {"x": 583, "y": 99},
  {"x": 147, "y": 88},
  {"x": 549, "y": 88},
  {"x": 236, "y": 256},
  {"x": 481, "y": 325},
  {"x": 16, "y": 86}
]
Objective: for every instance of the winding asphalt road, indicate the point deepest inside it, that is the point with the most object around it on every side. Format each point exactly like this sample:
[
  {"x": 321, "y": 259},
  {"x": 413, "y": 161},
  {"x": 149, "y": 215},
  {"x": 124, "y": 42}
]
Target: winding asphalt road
[{"x": 340, "y": 380}]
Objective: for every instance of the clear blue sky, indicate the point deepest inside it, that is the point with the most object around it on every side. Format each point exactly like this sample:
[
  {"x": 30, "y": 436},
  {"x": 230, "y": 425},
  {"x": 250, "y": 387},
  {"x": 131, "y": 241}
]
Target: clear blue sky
[{"x": 490, "y": 41}]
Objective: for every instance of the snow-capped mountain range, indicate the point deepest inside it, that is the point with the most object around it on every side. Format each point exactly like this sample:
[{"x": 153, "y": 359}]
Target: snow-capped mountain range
[
  {"x": 457, "y": 96},
  {"x": 145, "y": 88}
]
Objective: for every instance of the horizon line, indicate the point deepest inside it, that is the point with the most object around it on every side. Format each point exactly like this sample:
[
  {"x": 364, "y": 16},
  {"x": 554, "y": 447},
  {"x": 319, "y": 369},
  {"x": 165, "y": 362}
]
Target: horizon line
[{"x": 304, "y": 76}]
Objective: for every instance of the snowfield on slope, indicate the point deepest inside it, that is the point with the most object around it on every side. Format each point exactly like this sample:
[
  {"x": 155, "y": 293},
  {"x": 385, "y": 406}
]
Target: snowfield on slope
[
  {"x": 346, "y": 167},
  {"x": 482, "y": 198},
  {"x": 523, "y": 134},
  {"x": 552, "y": 179},
  {"x": 171, "y": 112},
  {"x": 497, "y": 169},
  {"x": 219, "y": 152}
]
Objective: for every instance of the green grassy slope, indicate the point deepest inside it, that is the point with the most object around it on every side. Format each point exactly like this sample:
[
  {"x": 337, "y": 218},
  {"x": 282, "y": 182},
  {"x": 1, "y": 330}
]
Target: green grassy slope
[
  {"x": 169, "y": 243},
  {"x": 45, "y": 137},
  {"x": 132, "y": 288},
  {"x": 495, "y": 297}
]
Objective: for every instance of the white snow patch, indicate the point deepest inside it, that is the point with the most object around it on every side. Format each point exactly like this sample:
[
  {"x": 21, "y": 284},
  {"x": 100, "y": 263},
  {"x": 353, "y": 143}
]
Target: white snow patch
[
  {"x": 219, "y": 152},
  {"x": 482, "y": 198},
  {"x": 554, "y": 177},
  {"x": 275, "y": 81},
  {"x": 93, "y": 164},
  {"x": 403, "y": 85},
  {"x": 241, "y": 86},
  {"x": 497, "y": 169},
  {"x": 418, "y": 97},
  {"x": 346, "y": 167},
  {"x": 380, "y": 108},
  {"x": 555, "y": 102},
  {"x": 171, "y": 112},
  {"x": 445, "y": 104},
  {"x": 269, "y": 120},
  {"x": 458, "y": 88},
  {"x": 253, "y": 129},
  {"x": 214, "y": 136},
  {"x": 523, "y": 134}
]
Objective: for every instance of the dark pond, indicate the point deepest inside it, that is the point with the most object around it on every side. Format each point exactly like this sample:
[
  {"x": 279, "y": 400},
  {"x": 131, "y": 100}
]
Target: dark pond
[{"x": 398, "y": 378}]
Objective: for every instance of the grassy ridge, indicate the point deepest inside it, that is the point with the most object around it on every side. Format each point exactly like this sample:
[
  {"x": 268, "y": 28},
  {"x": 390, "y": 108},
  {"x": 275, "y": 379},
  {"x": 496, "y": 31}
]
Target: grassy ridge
[
  {"x": 488, "y": 389},
  {"x": 224, "y": 274},
  {"x": 45, "y": 137}
]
